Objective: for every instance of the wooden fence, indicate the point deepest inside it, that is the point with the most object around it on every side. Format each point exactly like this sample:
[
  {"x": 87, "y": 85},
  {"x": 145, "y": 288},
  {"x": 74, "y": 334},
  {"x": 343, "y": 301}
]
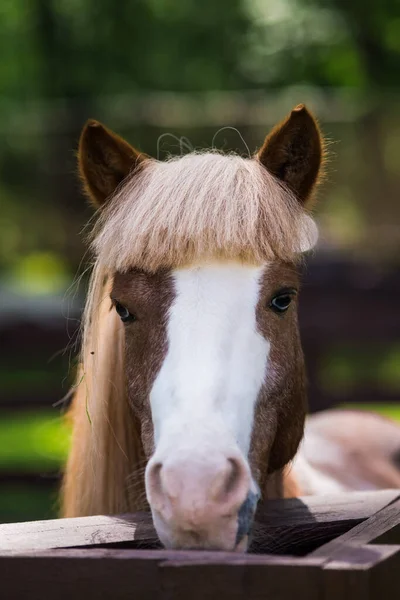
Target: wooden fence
[{"x": 344, "y": 547}]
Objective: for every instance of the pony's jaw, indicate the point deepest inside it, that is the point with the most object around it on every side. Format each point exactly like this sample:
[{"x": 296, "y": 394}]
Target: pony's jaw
[{"x": 202, "y": 404}]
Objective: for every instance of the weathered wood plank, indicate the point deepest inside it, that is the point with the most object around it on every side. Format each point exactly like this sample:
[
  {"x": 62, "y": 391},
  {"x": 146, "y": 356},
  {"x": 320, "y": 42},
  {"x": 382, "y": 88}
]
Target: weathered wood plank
[
  {"x": 382, "y": 527},
  {"x": 363, "y": 573},
  {"x": 357, "y": 569},
  {"x": 299, "y": 524},
  {"x": 308, "y": 509},
  {"x": 385, "y": 574},
  {"x": 82, "y": 531},
  {"x": 177, "y": 557},
  {"x": 80, "y": 576},
  {"x": 367, "y": 572},
  {"x": 197, "y": 580},
  {"x": 157, "y": 575}
]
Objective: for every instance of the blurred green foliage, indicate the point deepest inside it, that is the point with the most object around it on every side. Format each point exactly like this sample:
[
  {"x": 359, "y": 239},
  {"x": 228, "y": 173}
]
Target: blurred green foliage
[
  {"x": 391, "y": 411},
  {"x": 19, "y": 502},
  {"x": 32, "y": 441},
  {"x": 61, "y": 57},
  {"x": 327, "y": 43},
  {"x": 345, "y": 367},
  {"x": 39, "y": 273},
  {"x": 65, "y": 60},
  {"x": 82, "y": 48},
  {"x": 59, "y": 48}
]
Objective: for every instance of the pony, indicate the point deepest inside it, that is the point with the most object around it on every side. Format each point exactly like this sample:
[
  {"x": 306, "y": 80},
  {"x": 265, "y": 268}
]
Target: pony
[{"x": 191, "y": 399}]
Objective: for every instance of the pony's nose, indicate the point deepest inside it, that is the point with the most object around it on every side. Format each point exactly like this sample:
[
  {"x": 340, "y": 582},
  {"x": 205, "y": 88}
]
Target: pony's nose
[{"x": 194, "y": 495}]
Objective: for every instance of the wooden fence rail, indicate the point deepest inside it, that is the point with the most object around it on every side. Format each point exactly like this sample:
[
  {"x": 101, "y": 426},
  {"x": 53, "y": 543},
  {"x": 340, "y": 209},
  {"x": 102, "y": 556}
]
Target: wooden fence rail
[{"x": 344, "y": 547}]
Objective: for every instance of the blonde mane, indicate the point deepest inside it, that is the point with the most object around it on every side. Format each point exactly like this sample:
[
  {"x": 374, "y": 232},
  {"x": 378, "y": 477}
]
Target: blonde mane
[
  {"x": 169, "y": 214},
  {"x": 196, "y": 207},
  {"x": 105, "y": 448}
]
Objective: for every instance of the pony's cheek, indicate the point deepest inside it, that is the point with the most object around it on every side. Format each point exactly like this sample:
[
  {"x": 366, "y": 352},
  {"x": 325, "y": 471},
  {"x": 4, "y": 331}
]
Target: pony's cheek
[
  {"x": 141, "y": 414},
  {"x": 147, "y": 434}
]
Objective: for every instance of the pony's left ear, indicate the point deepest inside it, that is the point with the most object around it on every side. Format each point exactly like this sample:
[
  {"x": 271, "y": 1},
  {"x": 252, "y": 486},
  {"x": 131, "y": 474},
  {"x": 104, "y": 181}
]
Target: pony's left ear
[
  {"x": 104, "y": 160},
  {"x": 293, "y": 152}
]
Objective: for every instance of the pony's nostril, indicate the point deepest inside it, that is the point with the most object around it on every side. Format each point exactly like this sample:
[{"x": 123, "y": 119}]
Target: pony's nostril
[
  {"x": 233, "y": 476},
  {"x": 154, "y": 482},
  {"x": 234, "y": 483}
]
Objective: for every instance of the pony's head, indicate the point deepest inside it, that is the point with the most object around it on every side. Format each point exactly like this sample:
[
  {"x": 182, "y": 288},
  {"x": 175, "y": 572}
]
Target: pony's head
[{"x": 192, "y": 313}]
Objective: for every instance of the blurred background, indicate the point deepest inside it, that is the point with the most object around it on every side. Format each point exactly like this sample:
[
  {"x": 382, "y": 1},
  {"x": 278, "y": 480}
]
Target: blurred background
[{"x": 153, "y": 67}]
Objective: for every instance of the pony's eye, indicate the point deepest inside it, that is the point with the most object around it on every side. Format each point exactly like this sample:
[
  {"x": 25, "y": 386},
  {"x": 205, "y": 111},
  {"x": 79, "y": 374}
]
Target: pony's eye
[
  {"x": 281, "y": 302},
  {"x": 124, "y": 313}
]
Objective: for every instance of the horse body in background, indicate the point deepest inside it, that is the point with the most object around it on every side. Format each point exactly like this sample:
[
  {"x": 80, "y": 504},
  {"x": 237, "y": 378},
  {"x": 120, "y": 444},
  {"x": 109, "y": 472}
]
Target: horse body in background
[{"x": 191, "y": 397}]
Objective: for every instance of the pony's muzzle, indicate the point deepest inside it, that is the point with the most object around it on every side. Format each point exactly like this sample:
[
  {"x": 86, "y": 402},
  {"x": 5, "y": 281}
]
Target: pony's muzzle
[{"x": 199, "y": 504}]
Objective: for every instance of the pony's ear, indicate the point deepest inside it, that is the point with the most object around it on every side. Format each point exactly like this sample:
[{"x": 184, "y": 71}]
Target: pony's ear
[
  {"x": 104, "y": 160},
  {"x": 293, "y": 152}
]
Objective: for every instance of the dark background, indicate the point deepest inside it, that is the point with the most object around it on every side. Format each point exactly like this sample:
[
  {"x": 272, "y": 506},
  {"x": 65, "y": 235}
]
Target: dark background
[{"x": 153, "y": 67}]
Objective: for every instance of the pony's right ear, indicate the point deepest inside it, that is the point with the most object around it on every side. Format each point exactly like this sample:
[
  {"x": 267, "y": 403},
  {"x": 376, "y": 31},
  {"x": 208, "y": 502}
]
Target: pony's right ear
[
  {"x": 294, "y": 153},
  {"x": 104, "y": 160}
]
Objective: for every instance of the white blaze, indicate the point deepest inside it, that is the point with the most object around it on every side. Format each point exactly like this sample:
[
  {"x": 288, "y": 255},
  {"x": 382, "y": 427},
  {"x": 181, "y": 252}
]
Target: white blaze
[{"x": 204, "y": 396}]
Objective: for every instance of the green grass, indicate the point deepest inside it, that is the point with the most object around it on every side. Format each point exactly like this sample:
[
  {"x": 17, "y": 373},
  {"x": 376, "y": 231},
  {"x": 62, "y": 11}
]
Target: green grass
[{"x": 33, "y": 441}]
